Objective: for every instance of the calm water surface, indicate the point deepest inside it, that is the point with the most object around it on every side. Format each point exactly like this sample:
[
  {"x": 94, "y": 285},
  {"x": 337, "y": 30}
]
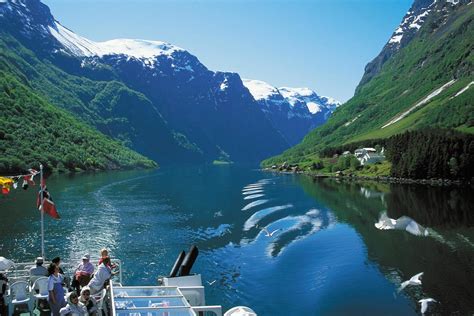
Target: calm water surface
[{"x": 327, "y": 257}]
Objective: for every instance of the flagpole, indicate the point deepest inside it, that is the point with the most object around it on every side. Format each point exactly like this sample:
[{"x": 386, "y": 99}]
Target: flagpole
[{"x": 41, "y": 210}]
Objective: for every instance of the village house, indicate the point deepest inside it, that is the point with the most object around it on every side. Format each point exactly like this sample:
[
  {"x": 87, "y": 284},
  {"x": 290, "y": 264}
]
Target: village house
[{"x": 369, "y": 156}]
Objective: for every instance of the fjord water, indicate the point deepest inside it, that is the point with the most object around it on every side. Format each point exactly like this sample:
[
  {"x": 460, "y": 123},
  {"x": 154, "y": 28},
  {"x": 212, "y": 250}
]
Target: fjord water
[{"x": 327, "y": 258}]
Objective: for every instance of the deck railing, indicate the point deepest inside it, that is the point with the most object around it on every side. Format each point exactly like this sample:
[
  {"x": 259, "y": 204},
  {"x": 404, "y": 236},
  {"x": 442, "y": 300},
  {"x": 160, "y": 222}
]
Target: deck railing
[{"x": 21, "y": 270}]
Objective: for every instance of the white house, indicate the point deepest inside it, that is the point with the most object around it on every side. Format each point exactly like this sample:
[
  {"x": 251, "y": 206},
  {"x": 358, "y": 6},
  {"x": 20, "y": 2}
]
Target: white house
[
  {"x": 362, "y": 151},
  {"x": 368, "y": 156}
]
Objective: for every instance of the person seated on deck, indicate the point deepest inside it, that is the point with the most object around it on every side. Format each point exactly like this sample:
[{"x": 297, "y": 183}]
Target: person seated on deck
[
  {"x": 74, "y": 307},
  {"x": 89, "y": 302},
  {"x": 83, "y": 273},
  {"x": 103, "y": 274},
  {"x": 39, "y": 270},
  {"x": 104, "y": 253}
]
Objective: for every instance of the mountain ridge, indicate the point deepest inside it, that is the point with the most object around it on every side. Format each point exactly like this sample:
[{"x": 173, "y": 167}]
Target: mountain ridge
[
  {"x": 203, "y": 115},
  {"x": 418, "y": 86},
  {"x": 292, "y": 111}
]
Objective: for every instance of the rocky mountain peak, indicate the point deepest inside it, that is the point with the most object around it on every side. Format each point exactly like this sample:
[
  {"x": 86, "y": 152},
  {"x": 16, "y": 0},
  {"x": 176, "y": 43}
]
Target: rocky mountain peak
[
  {"x": 410, "y": 26},
  {"x": 27, "y": 16}
]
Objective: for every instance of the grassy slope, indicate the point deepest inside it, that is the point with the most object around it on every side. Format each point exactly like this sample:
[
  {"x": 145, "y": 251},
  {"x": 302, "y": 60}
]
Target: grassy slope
[
  {"x": 34, "y": 131},
  {"x": 439, "y": 53}
]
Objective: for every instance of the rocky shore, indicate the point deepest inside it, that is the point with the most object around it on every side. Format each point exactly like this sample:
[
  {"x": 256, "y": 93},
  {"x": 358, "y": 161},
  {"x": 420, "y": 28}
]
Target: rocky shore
[{"x": 294, "y": 169}]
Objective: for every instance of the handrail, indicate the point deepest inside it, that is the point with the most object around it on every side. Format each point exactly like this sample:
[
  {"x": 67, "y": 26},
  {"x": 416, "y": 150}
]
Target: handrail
[
  {"x": 22, "y": 269},
  {"x": 112, "y": 299},
  {"x": 216, "y": 309},
  {"x": 155, "y": 296},
  {"x": 161, "y": 307},
  {"x": 150, "y": 287}
]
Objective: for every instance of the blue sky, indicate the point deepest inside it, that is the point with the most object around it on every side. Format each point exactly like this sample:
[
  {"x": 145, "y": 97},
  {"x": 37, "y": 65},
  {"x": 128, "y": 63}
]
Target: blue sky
[{"x": 323, "y": 45}]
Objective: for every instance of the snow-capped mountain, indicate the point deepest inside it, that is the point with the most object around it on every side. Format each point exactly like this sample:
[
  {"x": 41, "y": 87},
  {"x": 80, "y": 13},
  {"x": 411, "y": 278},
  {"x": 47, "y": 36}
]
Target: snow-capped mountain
[
  {"x": 414, "y": 19},
  {"x": 212, "y": 111},
  {"x": 293, "y": 111},
  {"x": 315, "y": 103}
]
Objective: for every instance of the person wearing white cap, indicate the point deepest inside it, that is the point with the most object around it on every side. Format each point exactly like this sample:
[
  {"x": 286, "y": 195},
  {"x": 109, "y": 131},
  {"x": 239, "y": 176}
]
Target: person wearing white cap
[
  {"x": 83, "y": 273},
  {"x": 39, "y": 270}
]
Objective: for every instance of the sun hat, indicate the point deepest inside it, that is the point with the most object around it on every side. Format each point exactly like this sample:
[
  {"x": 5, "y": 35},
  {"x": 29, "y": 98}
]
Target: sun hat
[{"x": 87, "y": 256}]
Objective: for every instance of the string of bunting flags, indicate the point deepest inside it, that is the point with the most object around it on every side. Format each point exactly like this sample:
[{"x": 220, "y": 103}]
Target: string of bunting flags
[
  {"x": 44, "y": 202},
  {"x": 7, "y": 182}
]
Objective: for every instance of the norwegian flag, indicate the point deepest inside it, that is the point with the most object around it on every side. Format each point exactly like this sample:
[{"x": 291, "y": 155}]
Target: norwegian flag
[{"x": 48, "y": 205}]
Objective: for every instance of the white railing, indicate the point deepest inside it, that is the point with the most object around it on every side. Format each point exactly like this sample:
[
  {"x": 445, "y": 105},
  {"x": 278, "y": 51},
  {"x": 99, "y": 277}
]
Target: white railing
[{"x": 21, "y": 270}]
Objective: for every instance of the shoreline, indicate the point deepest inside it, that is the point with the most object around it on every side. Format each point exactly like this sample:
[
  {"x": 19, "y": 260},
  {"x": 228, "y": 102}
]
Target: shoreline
[{"x": 382, "y": 179}]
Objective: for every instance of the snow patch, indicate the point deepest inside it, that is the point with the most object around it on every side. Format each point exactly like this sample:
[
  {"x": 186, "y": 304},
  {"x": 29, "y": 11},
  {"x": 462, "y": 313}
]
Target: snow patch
[
  {"x": 224, "y": 85},
  {"x": 296, "y": 97},
  {"x": 419, "y": 20},
  {"x": 463, "y": 89},
  {"x": 331, "y": 101},
  {"x": 313, "y": 107},
  {"x": 259, "y": 89},
  {"x": 144, "y": 50},
  {"x": 352, "y": 121},
  {"x": 411, "y": 23},
  {"x": 293, "y": 92},
  {"x": 313, "y": 102},
  {"x": 422, "y": 102},
  {"x": 396, "y": 39}
]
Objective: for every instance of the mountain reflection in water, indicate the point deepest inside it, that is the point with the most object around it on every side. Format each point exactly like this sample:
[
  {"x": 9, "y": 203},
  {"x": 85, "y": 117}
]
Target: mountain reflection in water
[{"x": 446, "y": 255}]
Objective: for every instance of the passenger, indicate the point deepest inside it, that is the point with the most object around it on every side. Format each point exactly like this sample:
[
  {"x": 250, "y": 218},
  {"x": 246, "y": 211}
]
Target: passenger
[
  {"x": 103, "y": 274},
  {"x": 39, "y": 270},
  {"x": 83, "y": 273},
  {"x": 104, "y": 253},
  {"x": 55, "y": 288},
  {"x": 57, "y": 261},
  {"x": 66, "y": 279},
  {"x": 74, "y": 307},
  {"x": 89, "y": 302},
  {"x": 3, "y": 292}
]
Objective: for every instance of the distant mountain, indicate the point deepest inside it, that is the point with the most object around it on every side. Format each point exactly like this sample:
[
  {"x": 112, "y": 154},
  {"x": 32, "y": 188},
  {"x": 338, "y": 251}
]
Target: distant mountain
[
  {"x": 423, "y": 77},
  {"x": 292, "y": 111},
  {"x": 155, "y": 97}
]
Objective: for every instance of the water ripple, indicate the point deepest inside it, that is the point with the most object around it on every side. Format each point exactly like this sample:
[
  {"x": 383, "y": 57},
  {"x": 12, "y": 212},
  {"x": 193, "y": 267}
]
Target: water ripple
[
  {"x": 252, "y": 192},
  {"x": 255, "y": 218},
  {"x": 253, "y": 204},
  {"x": 253, "y": 196}
]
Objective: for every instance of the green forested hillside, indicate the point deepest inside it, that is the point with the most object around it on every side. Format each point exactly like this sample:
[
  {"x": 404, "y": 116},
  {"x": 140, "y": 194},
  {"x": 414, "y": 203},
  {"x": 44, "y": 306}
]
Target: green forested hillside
[
  {"x": 108, "y": 105},
  {"x": 32, "y": 131},
  {"x": 441, "y": 52}
]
